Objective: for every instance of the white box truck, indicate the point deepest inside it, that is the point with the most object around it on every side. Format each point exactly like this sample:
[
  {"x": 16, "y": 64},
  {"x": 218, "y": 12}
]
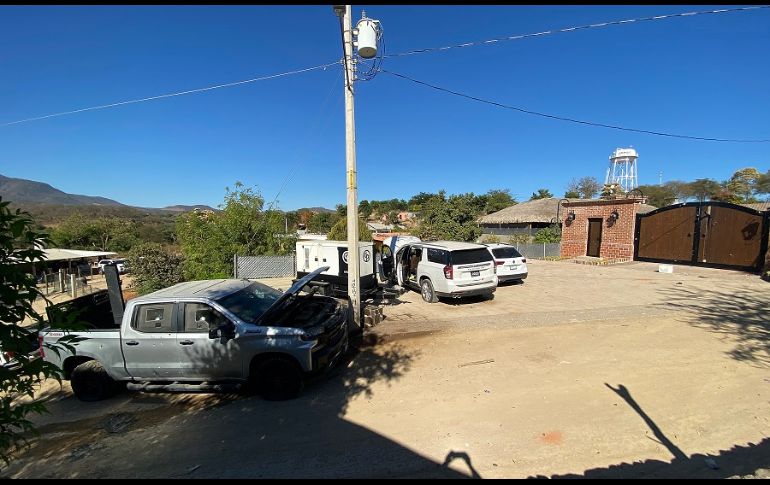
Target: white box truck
[{"x": 312, "y": 255}]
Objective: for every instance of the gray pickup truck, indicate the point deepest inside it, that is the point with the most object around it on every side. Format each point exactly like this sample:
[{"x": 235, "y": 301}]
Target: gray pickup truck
[{"x": 206, "y": 335}]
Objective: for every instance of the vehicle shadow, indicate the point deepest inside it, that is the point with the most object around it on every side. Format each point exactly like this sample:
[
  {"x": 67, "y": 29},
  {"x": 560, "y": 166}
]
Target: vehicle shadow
[
  {"x": 736, "y": 461},
  {"x": 246, "y": 437},
  {"x": 742, "y": 316},
  {"x": 468, "y": 300}
]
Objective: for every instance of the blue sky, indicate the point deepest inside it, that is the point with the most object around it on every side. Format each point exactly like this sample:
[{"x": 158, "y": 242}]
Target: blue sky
[{"x": 705, "y": 76}]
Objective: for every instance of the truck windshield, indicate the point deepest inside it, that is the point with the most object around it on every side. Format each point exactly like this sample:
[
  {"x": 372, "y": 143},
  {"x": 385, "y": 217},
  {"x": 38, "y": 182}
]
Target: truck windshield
[{"x": 251, "y": 302}]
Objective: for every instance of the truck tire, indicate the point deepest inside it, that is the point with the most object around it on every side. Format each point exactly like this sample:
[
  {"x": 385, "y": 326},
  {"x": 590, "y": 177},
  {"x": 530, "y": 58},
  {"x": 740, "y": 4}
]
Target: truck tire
[
  {"x": 90, "y": 382},
  {"x": 427, "y": 291},
  {"x": 276, "y": 378}
]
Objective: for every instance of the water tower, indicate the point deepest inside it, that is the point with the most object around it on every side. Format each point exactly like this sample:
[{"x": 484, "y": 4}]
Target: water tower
[{"x": 622, "y": 169}]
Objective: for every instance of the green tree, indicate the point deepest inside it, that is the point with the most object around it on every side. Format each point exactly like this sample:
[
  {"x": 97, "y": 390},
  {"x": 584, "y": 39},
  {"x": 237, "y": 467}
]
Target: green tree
[
  {"x": 541, "y": 194},
  {"x": 452, "y": 218},
  {"x": 342, "y": 210},
  {"x": 678, "y": 189},
  {"x": 571, "y": 194},
  {"x": 703, "y": 189},
  {"x": 498, "y": 199},
  {"x": 322, "y": 222},
  {"x": 20, "y": 247},
  {"x": 743, "y": 183},
  {"x": 340, "y": 231},
  {"x": 209, "y": 239},
  {"x": 416, "y": 203},
  {"x": 585, "y": 187},
  {"x": 364, "y": 209},
  {"x": 79, "y": 231},
  {"x": 154, "y": 268},
  {"x": 763, "y": 183},
  {"x": 657, "y": 195},
  {"x": 547, "y": 235}
]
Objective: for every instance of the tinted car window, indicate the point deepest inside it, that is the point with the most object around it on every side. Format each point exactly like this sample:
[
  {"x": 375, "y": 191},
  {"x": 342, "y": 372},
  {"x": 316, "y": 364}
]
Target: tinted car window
[
  {"x": 469, "y": 256},
  {"x": 251, "y": 302},
  {"x": 437, "y": 256},
  {"x": 199, "y": 318},
  {"x": 154, "y": 318},
  {"x": 507, "y": 252}
]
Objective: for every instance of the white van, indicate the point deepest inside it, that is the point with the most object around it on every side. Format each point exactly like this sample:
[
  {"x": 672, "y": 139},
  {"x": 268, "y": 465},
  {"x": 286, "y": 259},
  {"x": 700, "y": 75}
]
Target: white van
[{"x": 445, "y": 269}]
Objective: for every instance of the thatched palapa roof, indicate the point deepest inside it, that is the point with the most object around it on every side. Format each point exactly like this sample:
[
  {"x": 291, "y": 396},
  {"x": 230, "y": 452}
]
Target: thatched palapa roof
[{"x": 539, "y": 210}]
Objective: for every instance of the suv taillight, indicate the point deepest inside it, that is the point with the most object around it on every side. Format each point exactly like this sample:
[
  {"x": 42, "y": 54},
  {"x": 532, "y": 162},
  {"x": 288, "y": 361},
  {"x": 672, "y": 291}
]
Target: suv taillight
[
  {"x": 448, "y": 272},
  {"x": 40, "y": 346}
]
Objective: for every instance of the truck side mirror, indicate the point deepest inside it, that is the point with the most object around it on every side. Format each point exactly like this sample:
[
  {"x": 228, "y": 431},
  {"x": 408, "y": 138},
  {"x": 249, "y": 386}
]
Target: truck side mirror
[{"x": 223, "y": 331}]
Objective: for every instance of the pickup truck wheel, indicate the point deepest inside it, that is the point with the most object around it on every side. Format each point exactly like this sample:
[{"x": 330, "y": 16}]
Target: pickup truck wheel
[
  {"x": 90, "y": 382},
  {"x": 277, "y": 379},
  {"x": 428, "y": 293}
]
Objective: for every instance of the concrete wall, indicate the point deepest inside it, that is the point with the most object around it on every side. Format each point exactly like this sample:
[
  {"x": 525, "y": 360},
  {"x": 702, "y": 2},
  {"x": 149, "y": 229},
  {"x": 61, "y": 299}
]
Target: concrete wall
[{"x": 617, "y": 239}]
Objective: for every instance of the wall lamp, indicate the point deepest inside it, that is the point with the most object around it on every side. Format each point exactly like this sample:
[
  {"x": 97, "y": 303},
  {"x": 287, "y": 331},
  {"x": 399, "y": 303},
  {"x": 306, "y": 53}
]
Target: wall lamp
[
  {"x": 570, "y": 217},
  {"x": 614, "y": 216}
]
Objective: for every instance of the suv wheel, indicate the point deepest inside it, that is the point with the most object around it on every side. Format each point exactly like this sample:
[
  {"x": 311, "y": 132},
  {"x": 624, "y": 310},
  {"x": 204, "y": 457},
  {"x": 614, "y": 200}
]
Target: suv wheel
[
  {"x": 90, "y": 382},
  {"x": 277, "y": 379},
  {"x": 428, "y": 293}
]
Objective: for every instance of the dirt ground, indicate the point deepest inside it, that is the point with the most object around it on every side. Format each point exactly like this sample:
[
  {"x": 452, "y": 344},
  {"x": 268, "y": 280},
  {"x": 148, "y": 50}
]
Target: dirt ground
[{"x": 582, "y": 371}]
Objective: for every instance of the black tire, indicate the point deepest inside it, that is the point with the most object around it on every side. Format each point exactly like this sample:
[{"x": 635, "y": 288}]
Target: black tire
[
  {"x": 427, "y": 291},
  {"x": 90, "y": 382},
  {"x": 276, "y": 378}
]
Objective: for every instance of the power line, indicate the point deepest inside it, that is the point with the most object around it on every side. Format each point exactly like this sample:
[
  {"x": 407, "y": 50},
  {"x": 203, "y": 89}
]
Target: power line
[
  {"x": 401, "y": 54},
  {"x": 572, "y": 29},
  {"x": 192, "y": 91},
  {"x": 571, "y": 120}
]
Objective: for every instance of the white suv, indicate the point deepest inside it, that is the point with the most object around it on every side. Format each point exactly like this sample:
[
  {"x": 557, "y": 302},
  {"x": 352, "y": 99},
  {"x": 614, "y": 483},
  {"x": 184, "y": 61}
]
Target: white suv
[
  {"x": 446, "y": 269},
  {"x": 510, "y": 264}
]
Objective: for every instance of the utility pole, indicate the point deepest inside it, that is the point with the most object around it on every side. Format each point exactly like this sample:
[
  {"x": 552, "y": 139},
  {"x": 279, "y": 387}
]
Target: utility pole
[{"x": 350, "y": 162}]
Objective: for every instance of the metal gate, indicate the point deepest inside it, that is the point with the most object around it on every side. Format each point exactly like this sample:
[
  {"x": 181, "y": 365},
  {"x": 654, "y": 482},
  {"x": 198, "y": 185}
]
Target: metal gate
[{"x": 714, "y": 234}]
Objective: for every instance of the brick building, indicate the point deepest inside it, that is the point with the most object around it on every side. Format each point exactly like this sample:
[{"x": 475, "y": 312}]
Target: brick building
[{"x": 602, "y": 228}]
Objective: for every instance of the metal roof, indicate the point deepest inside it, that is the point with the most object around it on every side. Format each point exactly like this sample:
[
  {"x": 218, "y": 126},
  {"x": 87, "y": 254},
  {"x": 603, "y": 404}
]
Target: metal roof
[{"x": 56, "y": 254}]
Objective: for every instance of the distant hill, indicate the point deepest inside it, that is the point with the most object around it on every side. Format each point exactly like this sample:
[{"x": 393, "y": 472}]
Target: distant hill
[
  {"x": 22, "y": 191},
  {"x": 187, "y": 208},
  {"x": 316, "y": 209},
  {"x": 43, "y": 198}
]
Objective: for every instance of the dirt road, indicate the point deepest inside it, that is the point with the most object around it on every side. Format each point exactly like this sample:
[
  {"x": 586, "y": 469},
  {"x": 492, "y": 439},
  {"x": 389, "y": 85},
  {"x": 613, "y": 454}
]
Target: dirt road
[{"x": 652, "y": 379}]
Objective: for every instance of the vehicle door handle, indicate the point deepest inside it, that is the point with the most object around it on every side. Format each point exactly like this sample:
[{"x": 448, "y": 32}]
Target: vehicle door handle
[
  {"x": 186, "y": 342},
  {"x": 132, "y": 342}
]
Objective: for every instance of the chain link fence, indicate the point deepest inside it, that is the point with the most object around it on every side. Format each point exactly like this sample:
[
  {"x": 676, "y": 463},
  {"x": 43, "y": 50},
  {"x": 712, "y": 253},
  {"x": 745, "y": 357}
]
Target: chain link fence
[
  {"x": 252, "y": 267},
  {"x": 538, "y": 250}
]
